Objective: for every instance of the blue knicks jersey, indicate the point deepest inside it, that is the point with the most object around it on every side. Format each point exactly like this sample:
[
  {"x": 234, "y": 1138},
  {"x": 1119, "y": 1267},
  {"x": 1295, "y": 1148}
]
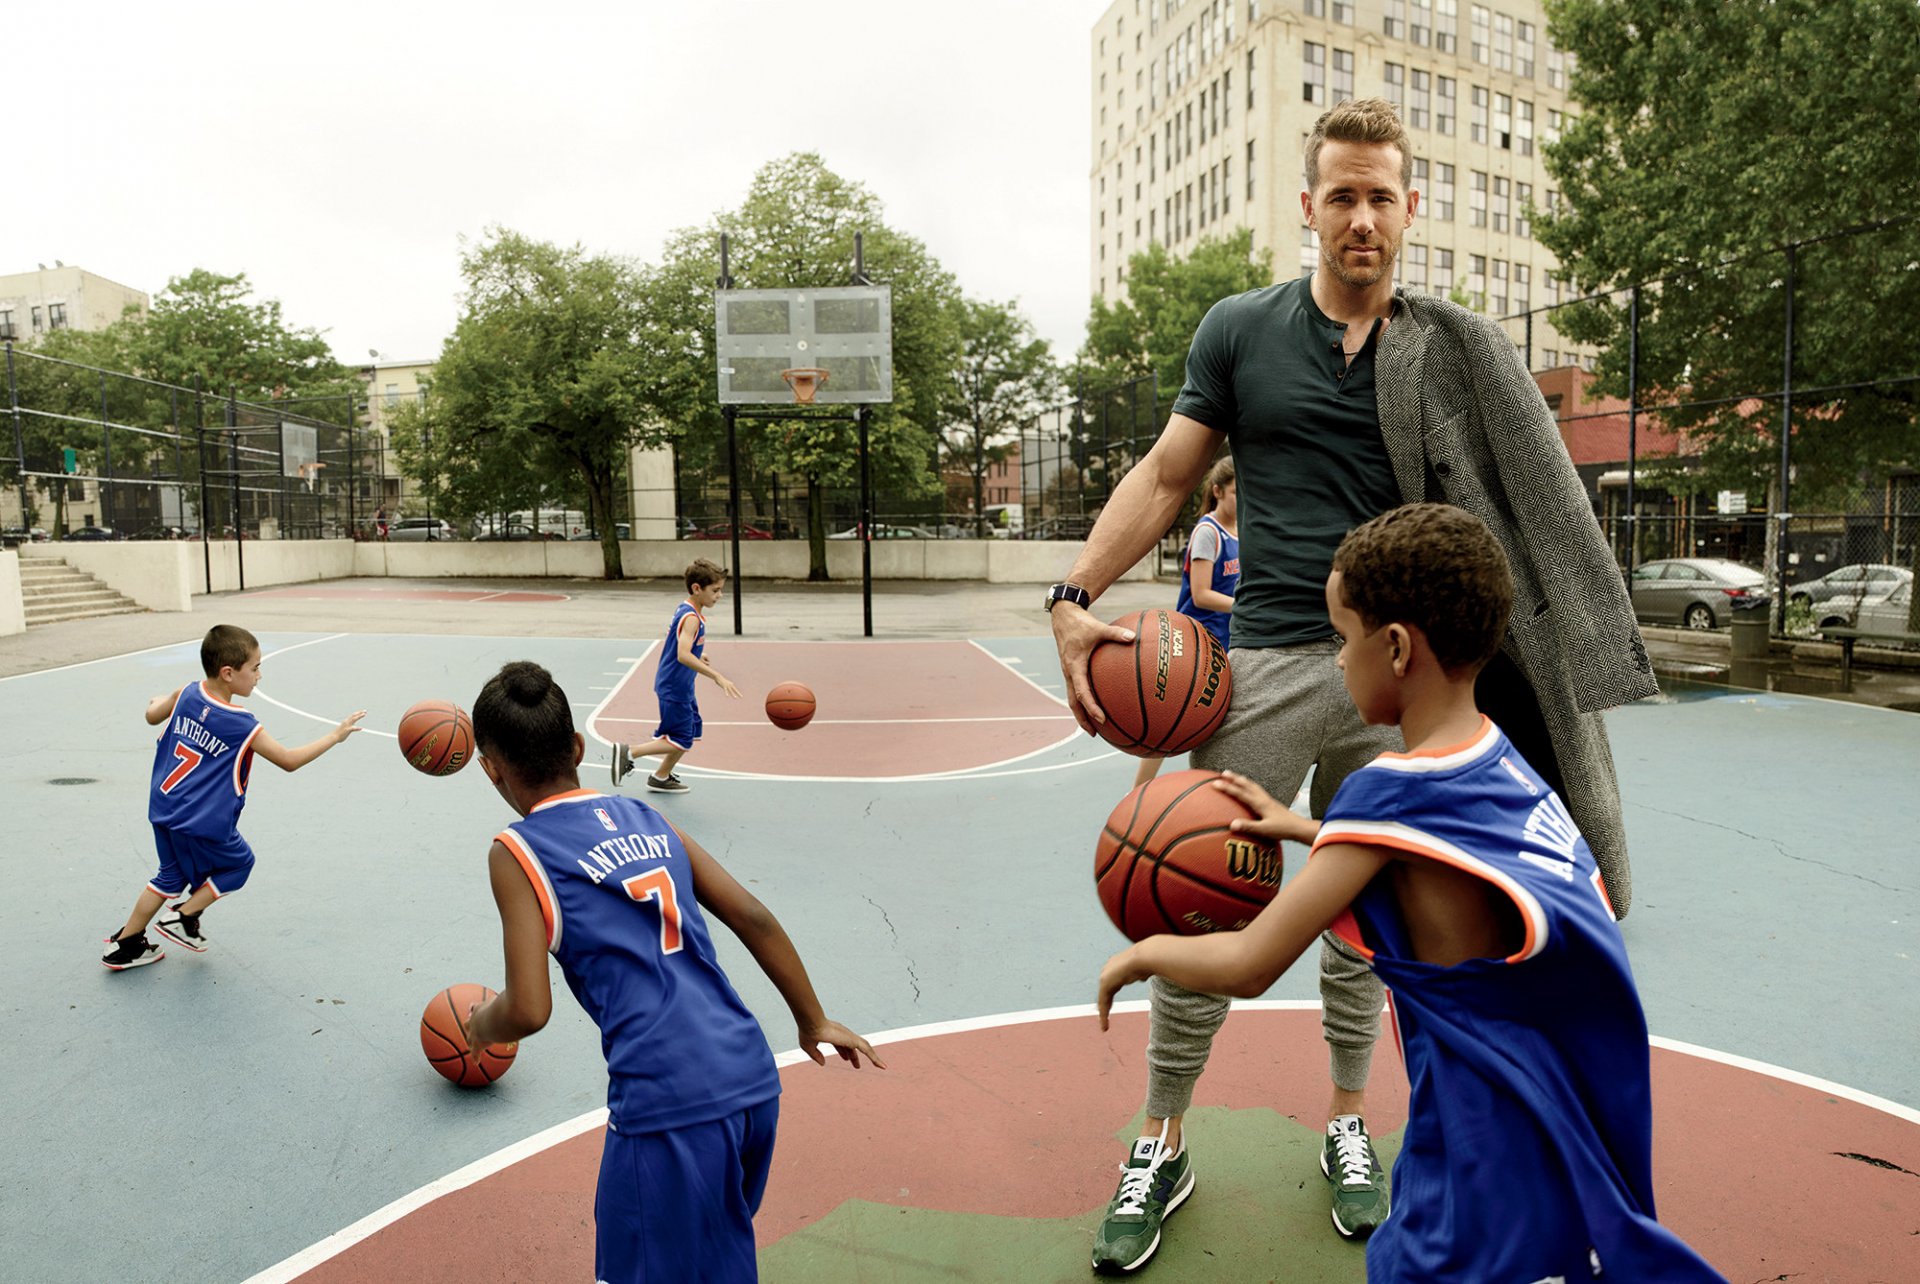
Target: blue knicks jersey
[
  {"x": 1226, "y": 576},
  {"x": 201, "y": 764},
  {"x": 615, "y": 886},
  {"x": 1527, "y": 1153},
  {"x": 674, "y": 680}
]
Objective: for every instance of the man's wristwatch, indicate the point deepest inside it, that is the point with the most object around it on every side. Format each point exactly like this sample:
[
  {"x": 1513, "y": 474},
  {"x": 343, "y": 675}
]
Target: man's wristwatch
[{"x": 1073, "y": 593}]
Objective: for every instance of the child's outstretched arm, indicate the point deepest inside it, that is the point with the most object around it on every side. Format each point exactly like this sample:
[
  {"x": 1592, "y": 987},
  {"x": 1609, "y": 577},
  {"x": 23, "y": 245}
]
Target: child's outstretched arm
[
  {"x": 161, "y": 705},
  {"x": 723, "y": 897},
  {"x": 523, "y": 1006},
  {"x": 1244, "y": 964},
  {"x": 689, "y": 628},
  {"x": 293, "y": 759}
]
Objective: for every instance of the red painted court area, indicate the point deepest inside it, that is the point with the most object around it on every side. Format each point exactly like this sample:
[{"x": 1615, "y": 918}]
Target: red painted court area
[
  {"x": 885, "y": 709},
  {"x": 322, "y": 593},
  {"x": 998, "y": 1145}
]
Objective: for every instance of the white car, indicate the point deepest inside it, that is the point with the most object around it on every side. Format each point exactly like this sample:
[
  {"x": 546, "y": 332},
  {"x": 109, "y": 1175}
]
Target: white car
[
  {"x": 1884, "y": 612},
  {"x": 418, "y": 529}
]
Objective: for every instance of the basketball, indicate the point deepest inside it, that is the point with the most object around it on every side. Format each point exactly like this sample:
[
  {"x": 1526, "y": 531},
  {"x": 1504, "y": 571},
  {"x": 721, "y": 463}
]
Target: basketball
[
  {"x": 1166, "y": 691},
  {"x": 1166, "y": 861},
  {"x": 436, "y": 737},
  {"x": 443, "y": 1037},
  {"x": 790, "y": 706}
]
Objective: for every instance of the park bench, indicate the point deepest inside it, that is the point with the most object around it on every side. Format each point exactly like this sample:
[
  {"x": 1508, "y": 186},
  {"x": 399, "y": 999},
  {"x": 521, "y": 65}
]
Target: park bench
[{"x": 1846, "y": 637}]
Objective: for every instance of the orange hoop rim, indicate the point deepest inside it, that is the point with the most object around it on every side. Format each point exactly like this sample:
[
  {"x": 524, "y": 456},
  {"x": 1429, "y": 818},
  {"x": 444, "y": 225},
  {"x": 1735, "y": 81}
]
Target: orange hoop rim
[{"x": 805, "y": 382}]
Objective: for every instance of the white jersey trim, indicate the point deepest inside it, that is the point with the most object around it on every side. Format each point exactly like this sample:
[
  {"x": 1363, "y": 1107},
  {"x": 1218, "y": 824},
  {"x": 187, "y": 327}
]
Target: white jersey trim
[{"x": 1423, "y": 763}]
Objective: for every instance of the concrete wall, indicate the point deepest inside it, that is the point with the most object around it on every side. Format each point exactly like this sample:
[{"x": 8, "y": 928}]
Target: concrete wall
[
  {"x": 157, "y": 573},
  {"x": 270, "y": 561},
  {"x": 13, "y": 607}
]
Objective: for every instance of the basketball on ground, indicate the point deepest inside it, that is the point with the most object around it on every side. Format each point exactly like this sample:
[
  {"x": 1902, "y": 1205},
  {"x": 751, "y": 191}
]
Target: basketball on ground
[
  {"x": 436, "y": 737},
  {"x": 790, "y": 706},
  {"x": 1166, "y": 691},
  {"x": 443, "y": 1037},
  {"x": 1167, "y": 861}
]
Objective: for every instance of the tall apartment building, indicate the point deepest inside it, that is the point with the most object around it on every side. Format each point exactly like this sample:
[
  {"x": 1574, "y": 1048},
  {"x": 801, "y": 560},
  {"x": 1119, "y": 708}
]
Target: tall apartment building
[{"x": 1201, "y": 109}]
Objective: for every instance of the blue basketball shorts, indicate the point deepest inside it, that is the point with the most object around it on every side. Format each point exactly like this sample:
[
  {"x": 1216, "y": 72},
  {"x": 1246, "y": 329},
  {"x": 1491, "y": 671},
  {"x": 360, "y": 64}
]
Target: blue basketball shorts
[
  {"x": 188, "y": 860},
  {"x": 678, "y": 1205},
  {"x": 679, "y": 723}
]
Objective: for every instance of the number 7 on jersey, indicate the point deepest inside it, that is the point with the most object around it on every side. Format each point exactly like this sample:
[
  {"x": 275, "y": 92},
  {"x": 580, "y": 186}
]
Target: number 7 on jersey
[{"x": 657, "y": 885}]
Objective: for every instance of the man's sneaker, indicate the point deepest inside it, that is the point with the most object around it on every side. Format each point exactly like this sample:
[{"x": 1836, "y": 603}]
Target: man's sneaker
[
  {"x": 671, "y": 785},
  {"x": 183, "y": 929},
  {"x": 134, "y": 951},
  {"x": 1359, "y": 1186},
  {"x": 622, "y": 763},
  {"x": 1152, "y": 1184}
]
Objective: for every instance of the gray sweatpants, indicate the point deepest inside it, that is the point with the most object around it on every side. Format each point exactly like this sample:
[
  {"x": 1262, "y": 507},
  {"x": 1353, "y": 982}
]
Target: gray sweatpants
[{"x": 1290, "y": 711}]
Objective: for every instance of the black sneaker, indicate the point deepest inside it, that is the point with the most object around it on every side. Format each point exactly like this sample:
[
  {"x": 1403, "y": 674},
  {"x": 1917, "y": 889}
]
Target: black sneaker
[
  {"x": 671, "y": 785},
  {"x": 134, "y": 951},
  {"x": 183, "y": 930},
  {"x": 622, "y": 764}
]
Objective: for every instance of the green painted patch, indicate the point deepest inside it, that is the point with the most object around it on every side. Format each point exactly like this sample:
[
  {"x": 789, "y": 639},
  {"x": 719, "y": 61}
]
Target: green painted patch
[{"x": 1258, "y": 1212}]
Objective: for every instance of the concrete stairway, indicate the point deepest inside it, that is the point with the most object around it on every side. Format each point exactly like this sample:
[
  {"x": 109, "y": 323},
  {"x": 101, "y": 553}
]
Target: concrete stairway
[{"x": 53, "y": 591}]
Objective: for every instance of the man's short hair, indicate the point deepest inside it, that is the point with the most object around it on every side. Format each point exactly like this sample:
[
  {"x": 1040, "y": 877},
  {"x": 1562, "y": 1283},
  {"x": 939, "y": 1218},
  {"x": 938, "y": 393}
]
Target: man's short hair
[
  {"x": 702, "y": 573},
  {"x": 226, "y": 646},
  {"x": 1366, "y": 120},
  {"x": 1434, "y": 567}
]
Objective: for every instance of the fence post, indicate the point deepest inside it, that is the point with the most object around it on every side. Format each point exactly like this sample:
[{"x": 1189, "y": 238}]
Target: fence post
[
  {"x": 1786, "y": 450},
  {"x": 1633, "y": 426},
  {"x": 206, "y": 535},
  {"x": 19, "y": 437},
  {"x": 233, "y": 461},
  {"x": 106, "y": 468},
  {"x": 353, "y": 519}
]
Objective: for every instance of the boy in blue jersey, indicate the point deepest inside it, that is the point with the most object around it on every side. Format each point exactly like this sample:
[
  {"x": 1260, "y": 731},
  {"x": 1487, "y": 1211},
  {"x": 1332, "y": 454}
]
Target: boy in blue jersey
[
  {"x": 682, "y": 656},
  {"x": 1459, "y": 875},
  {"x": 201, "y": 766},
  {"x": 615, "y": 892}
]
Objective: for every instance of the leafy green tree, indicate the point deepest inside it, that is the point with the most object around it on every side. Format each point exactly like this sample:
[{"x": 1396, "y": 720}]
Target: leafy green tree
[
  {"x": 208, "y": 326},
  {"x": 796, "y": 229},
  {"x": 546, "y": 376},
  {"x": 1005, "y": 376},
  {"x": 1713, "y": 133},
  {"x": 1150, "y": 330}
]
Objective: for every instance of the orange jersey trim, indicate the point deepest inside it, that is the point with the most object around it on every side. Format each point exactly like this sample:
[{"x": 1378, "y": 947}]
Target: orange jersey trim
[
  {"x": 211, "y": 698},
  {"x": 537, "y": 876},
  {"x": 1472, "y": 742}
]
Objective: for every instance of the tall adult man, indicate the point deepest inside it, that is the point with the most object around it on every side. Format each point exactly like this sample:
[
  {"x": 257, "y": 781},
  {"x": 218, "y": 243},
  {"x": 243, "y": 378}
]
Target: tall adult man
[{"x": 1342, "y": 397}]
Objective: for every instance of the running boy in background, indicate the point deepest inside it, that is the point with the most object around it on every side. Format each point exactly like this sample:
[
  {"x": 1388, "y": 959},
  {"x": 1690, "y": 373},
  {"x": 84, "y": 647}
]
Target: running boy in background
[
  {"x": 614, "y": 892},
  {"x": 201, "y": 767},
  {"x": 1210, "y": 571},
  {"x": 1459, "y": 875},
  {"x": 682, "y": 655}
]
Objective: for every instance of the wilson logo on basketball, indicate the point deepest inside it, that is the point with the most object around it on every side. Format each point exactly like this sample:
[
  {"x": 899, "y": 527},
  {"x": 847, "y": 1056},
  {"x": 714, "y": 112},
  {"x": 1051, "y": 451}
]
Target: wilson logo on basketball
[
  {"x": 424, "y": 753},
  {"x": 1216, "y": 664},
  {"x": 1199, "y": 924},
  {"x": 1253, "y": 863}
]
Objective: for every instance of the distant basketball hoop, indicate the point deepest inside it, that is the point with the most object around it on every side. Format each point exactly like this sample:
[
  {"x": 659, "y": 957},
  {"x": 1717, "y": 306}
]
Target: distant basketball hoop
[
  {"x": 805, "y": 382},
  {"x": 310, "y": 473}
]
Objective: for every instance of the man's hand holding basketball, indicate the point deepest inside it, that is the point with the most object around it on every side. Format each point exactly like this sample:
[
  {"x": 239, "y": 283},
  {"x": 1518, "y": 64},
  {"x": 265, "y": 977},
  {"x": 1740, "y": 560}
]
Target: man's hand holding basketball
[{"x": 1076, "y": 631}]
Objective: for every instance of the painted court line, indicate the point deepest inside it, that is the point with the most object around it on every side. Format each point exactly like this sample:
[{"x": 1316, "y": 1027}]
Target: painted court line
[{"x": 460, "y": 1179}]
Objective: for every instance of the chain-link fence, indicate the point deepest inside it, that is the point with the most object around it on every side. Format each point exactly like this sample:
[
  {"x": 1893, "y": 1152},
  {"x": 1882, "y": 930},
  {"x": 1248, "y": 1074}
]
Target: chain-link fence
[{"x": 100, "y": 454}]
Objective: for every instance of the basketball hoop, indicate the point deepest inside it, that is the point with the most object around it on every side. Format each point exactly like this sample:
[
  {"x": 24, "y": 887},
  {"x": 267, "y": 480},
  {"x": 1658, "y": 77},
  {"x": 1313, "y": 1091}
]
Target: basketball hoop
[{"x": 805, "y": 382}]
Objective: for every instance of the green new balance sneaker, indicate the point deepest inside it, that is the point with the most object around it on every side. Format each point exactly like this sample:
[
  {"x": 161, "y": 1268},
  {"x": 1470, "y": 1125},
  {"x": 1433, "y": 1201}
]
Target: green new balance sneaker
[
  {"x": 1152, "y": 1185},
  {"x": 1359, "y": 1186}
]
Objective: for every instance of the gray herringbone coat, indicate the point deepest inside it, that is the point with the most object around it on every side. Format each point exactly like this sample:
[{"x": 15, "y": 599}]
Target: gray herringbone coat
[{"x": 1458, "y": 408}]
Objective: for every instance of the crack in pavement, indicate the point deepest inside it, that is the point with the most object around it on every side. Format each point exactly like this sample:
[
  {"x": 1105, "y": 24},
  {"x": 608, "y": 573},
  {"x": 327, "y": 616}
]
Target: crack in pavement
[
  {"x": 913, "y": 977},
  {"x": 1779, "y": 847}
]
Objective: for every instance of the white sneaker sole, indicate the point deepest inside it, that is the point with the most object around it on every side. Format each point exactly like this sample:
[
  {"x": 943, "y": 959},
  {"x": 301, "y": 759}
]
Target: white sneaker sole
[
  {"x": 181, "y": 939},
  {"x": 1178, "y": 1198}
]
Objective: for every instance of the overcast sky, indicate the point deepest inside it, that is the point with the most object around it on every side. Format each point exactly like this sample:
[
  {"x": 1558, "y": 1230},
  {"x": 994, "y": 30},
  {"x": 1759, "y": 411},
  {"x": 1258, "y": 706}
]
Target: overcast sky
[{"x": 337, "y": 159}]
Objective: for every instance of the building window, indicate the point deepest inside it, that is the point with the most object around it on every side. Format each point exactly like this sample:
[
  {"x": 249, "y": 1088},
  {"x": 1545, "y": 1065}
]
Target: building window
[
  {"x": 1477, "y": 121},
  {"x": 1397, "y": 86},
  {"x": 1522, "y": 198},
  {"x": 1226, "y": 184},
  {"x": 1503, "y": 121},
  {"x": 56, "y": 316},
  {"x": 1502, "y": 204},
  {"x": 1226, "y": 98},
  {"x": 1556, "y": 69},
  {"x": 1482, "y": 32},
  {"x": 1421, "y": 29},
  {"x": 1523, "y": 52},
  {"x": 1446, "y": 25},
  {"x": 1313, "y": 75},
  {"x": 1499, "y": 307},
  {"x": 1523, "y": 127},
  {"x": 1521, "y": 273},
  {"x": 1395, "y": 22},
  {"x": 1342, "y": 75},
  {"x": 1446, "y": 112},
  {"x": 1477, "y": 199},
  {"x": 1343, "y": 11},
  {"x": 1420, "y": 107},
  {"x": 1442, "y": 271},
  {"x": 393, "y": 394},
  {"x": 1556, "y": 122},
  {"x": 1203, "y": 198},
  {"x": 1477, "y": 281},
  {"x": 1314, "y": 8},
  {"x": 1503, "y": 42},
  {"x": 1249, "y": 80},
  {"x": 1249, "y": 173},
  {"x": 6, "y": 323},
  {"x": 39, "y": 323},
  {"x": 1416, "y": 269},
  {"x": 1443, "y": 192}
]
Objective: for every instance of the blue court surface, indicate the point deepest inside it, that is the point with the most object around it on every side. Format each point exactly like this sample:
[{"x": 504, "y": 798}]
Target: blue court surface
[{"x": 214, "y": 1115}]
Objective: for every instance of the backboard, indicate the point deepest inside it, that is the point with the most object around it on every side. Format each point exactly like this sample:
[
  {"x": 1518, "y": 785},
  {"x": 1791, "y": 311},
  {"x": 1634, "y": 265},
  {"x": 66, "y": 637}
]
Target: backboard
[{"x": 846, "y": 331}]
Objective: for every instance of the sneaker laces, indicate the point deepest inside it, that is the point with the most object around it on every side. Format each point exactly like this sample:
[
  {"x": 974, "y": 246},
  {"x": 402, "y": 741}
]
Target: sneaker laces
[
  {"x": 1352, "y": 1153},
  {"x": 1137, "y": 1183}
]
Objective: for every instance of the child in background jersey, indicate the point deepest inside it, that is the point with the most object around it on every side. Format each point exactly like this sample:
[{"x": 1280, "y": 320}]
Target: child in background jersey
[
  {"x": 1209, "y": 572},
  {"x": 682, "y": 656},
  {"x": 201, "y": 767},
  {"x": 1460, "y": 876},
  {"x": 614, "y": 892}
]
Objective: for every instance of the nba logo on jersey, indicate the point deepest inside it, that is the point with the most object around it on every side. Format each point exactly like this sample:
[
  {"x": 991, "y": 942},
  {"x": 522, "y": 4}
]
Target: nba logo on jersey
[
  {"x": 605, "y": 820},
  {"x": 205, "y": 713}
]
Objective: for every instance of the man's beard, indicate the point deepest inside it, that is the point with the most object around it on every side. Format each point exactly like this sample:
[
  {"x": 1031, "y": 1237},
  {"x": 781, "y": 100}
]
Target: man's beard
[{"x": 1385, "y": 252}]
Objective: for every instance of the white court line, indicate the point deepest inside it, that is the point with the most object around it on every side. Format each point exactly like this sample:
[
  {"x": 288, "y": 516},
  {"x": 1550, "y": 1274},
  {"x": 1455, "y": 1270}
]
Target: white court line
[
  {"x": 81, "y": 664},
  {"x": 1016, "y": 673},
  {"x": 280, "y": 704},
  {"x": 338, "y": 1242},
  {"x": 607, "y": 699},
  {"x": 876, "y": 722}
]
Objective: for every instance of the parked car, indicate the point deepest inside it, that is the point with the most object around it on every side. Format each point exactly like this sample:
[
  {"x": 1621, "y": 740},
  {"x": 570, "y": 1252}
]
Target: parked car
[
  {"x": 1699, "y": 592},
  {"x": 724, "y": 530},
  {"x": 887, "y": 530},
  {"x": 94, "y": 533},
  {"x": 416, "y": 529},
  {"x": 159, "y": 532},
  {"x": 517, "y": 531},
  {"x": 14, "y": 536},
  {"x": 1884, "y": 612},
  {"x": 1853, "y": 583}
]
